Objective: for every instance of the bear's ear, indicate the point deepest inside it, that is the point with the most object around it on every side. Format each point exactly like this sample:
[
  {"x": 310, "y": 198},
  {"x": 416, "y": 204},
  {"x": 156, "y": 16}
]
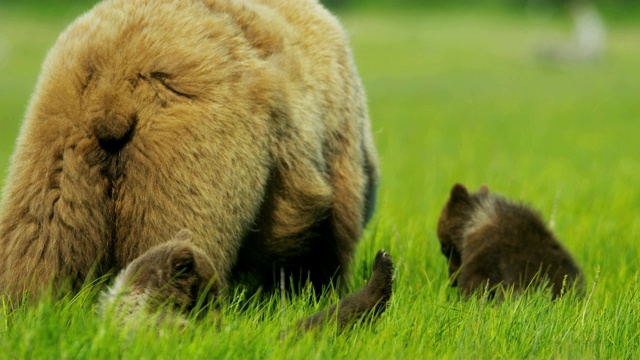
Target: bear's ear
[
  {"x": 484, "y": 190},
  {"x": 182, "y": 261},
  {"x": 459, "y": 193},
  {"x": 183, "y": 235}
]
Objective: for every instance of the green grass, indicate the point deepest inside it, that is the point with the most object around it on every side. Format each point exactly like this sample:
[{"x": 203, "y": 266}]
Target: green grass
[{"x": 455, "y": 96}]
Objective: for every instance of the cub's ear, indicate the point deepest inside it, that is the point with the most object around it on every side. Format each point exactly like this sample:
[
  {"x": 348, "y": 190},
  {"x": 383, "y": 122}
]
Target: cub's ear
[
  {"x": 182, "y": 261},
  {"x": 183, "y": 235},
  {"x": 484, "y": 190},
  {"x": 459, "y": 193}
]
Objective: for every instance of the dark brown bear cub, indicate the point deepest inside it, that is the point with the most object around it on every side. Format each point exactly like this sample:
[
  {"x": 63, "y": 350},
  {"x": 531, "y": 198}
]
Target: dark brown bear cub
[{"x": 492, "y": 242}]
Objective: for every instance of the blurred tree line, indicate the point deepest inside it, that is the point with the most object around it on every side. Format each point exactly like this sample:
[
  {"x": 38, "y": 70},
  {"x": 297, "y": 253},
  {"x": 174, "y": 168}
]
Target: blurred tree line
[
  {"x": 337, "y": 4},
  {"x": 611, "y": 9},
  {"x": 355, "y": 3}
]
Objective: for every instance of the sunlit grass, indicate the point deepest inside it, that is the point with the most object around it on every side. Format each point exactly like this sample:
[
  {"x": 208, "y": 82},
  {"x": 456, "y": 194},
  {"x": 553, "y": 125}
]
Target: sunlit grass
[{"x": 454, "y": 97}]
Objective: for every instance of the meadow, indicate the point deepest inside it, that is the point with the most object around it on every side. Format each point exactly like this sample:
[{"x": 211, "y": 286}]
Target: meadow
[{"x": 455, "y": 96}]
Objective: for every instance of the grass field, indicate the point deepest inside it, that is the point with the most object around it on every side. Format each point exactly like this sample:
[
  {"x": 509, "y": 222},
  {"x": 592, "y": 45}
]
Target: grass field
[{"x": 455, "y": 96}]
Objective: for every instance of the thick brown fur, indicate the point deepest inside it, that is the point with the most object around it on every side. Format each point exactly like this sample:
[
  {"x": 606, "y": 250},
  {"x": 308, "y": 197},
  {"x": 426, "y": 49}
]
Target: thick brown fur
[
  {"x": 491, "y": 242},
  {"x": 242, "y": 121}
]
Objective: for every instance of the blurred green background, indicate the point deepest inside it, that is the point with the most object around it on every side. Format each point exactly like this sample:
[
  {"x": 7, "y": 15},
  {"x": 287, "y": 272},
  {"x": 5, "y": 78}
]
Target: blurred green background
[
  {"x": 458, "y": 91},
  {"x": 440, "y": 76}
]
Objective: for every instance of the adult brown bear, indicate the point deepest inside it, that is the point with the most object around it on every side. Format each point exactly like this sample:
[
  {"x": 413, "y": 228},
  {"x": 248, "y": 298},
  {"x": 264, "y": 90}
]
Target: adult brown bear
[
  {"x": 491, "y": 242},
  {"x": 242, "y": 121}
]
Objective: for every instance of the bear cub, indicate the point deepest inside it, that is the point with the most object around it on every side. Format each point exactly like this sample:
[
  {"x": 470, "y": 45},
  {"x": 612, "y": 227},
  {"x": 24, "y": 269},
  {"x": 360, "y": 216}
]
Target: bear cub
[
  {"x": 492, "y": 243},
  {"x": 177, "y": 276}
]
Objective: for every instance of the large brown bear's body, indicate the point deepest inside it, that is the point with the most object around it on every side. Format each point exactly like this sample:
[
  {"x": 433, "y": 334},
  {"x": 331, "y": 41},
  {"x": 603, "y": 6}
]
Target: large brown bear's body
[
  {"x": 242, "y": 121},
  {"x": 492, "y": 242}
]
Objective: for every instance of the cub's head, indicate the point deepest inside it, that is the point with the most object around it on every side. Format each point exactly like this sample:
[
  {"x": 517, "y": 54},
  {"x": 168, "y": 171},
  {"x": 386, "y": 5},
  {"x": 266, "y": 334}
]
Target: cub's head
[
  {"x": 172, "y": 275},
  {"x": 455, "y": 216}
]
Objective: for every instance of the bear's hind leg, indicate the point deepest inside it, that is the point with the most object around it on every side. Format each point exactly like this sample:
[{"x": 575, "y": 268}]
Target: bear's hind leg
[{"x": 57, "y": 214}]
